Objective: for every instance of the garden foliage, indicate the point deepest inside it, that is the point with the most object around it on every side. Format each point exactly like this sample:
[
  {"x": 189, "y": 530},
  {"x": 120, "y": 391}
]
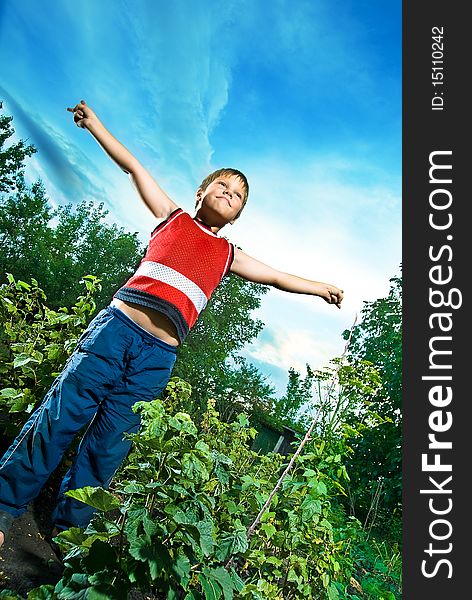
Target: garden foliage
[
  {"x": 175, "y": 522},
  {"x": 35, "y": 342}
]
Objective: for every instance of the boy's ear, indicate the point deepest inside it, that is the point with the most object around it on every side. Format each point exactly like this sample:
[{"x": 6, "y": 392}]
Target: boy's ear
[{"x": 198, "y": 197}]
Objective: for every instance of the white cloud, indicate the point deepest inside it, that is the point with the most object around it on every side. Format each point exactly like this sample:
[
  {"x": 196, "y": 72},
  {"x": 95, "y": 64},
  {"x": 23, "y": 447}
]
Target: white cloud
[
  {"x": 183, "y": 65},
  {"x": 293, "y": 348}
]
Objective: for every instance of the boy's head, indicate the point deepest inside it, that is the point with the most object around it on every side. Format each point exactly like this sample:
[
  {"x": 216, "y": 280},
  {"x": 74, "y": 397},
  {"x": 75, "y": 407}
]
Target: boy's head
[
  {"x": 227, "y": 172},
  {"x": 224, "y": 182}
]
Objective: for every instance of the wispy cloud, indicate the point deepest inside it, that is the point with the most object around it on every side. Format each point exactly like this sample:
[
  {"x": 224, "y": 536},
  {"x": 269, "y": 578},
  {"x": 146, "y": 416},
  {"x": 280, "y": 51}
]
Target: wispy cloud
[
  {"x": 185, "y": 76},
  {"x": 67, "y": 170}
]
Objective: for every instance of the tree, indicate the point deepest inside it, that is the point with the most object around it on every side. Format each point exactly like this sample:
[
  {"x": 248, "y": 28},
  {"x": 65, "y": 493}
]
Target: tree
[
  {"x": 241, "y": 387},
  {"x": 59, "y": 247},
  {"x": 298, "y": 393},
  {"x": 378, "y": 338},
  {"x": 11, "y": 158},
  {"x": 376, "y": 463}
]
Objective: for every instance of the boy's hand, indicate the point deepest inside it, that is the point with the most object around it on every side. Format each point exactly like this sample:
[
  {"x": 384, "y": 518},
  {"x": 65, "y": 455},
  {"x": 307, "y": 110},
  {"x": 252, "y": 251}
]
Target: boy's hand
[
  {"x": 83, "y": 114},
  {"x": 331, "y": 294}
]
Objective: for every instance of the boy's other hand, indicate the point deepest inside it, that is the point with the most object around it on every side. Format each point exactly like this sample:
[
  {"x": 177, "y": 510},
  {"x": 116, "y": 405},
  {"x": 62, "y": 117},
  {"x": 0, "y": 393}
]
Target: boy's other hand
[
  {"x": 331, "y": 294},
  {"x": 83, "y": 114}
]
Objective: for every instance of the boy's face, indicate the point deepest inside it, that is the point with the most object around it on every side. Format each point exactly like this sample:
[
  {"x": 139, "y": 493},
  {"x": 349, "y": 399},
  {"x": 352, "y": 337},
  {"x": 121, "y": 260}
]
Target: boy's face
[{"x": 221, "y": 202}]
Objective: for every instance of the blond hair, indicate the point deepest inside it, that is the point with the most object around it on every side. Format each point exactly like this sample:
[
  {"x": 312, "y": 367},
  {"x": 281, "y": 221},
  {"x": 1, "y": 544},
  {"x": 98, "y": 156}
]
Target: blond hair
[{"x": 227, "y": 172}]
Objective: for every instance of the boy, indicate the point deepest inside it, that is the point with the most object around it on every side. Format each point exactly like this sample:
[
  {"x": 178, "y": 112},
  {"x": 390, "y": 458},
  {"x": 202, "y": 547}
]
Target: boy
[{"x": 128, "y": 350}]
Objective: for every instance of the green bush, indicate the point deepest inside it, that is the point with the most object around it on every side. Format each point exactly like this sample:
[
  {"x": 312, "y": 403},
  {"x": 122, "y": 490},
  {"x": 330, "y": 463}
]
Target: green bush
[
  {"x": 35, "y": 342},
  {"x": 175, "y": 523}
]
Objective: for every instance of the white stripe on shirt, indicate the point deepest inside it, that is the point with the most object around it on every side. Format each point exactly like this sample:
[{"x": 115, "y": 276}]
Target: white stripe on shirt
[{"x": 175, "y": 279}]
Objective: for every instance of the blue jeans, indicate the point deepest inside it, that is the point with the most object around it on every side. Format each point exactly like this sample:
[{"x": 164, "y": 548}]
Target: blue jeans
[{"x": 115, "y": 364}]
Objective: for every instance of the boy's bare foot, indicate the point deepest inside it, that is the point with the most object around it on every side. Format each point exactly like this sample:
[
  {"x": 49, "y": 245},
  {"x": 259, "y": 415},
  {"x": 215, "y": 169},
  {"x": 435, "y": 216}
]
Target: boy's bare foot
[{"x": 2, "y": 538}]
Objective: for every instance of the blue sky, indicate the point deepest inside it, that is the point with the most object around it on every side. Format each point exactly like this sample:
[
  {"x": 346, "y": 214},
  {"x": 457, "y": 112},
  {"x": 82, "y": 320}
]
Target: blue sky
[{"x": 302, "y": 96}]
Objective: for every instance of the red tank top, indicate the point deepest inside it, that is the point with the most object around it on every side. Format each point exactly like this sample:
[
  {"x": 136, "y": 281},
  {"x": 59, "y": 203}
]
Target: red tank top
[{"x": 184, "y": 263}]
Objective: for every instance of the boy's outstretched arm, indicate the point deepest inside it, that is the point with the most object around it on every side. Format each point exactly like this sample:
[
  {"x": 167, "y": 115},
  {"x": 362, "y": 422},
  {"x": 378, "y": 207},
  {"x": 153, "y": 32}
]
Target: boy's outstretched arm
[
  {"x": 253, "y": 270},
  {"x": 153, "y": 196}
]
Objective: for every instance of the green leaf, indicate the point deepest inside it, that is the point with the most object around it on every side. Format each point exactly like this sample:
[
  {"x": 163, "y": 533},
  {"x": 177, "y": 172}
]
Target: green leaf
[
  {"x": 224, "y": 579},
  {"x": 292, "y": 576},
  {"x": 205, "y": 529},
  {"x": 310, "y": 507},
  {"x": 210, "y": 587},
  {"x": 248, "y": 481},
  {"x": 182, "y": 568},
  {"x": 203, "y": 447},
  {"x": 269, "y": 529},
  {"x": 10, "y": 393},
  {"x": 140, "y": 526},
  {"x": 243, "y": 420},
  {"x": 71, "y": 537},
  {"x": 333, "y": 593},
  {"x": 102, "y": 528},
  {"x": 273, "y": 560},
  {"x": 74, "y": 588},
  {"x": 152, "y": 552},
  {"x": 380, "y": 566},
  {"x": 194, "y": 469},
  {"x": 221, "y": 458},
  {"x": 134, "y": 488},
  {"x": 221, "y": 473},
  {"x": 326, "y": 524},
  {"x": 171, "y": 594},
  {"x": 234, "y": 508},
  {"x": 21, "y": 360},
  {"x": 238, "y": 583},
  {"x": 309, "y": 473},
  {"x": 233, "y": 542},
  {"x": 95, "y": 496},
  {"x": 182, "y": 422},
  {"x": 94, "y": 594},
  {"x": 44, "y": 592},
  {"x": 185, "y": 518},
  {"x": 53, "y": 351},
  {"x": 20, "y": 405},
  {"x": 267, "y": 516}
]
